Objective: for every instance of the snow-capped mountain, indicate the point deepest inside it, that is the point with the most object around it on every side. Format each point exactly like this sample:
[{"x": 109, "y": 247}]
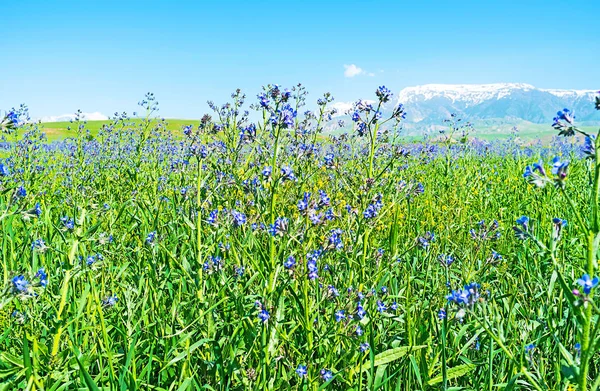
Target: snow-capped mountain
[
  {"x": 507, "y": 102},
  {"x": 95, "y": 116}
]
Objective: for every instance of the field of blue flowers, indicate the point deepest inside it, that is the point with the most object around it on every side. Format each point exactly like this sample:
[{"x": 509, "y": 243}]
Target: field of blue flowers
[{"x": 257, "y": 251}]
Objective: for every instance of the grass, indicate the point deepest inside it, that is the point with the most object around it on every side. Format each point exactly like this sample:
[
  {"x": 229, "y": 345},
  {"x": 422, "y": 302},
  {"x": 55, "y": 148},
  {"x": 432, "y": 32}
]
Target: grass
[{"x": 170, "y": 267}]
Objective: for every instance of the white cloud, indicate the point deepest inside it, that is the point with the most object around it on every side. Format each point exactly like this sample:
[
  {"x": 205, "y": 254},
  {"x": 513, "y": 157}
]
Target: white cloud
[
  {"x": 352, "y": 70},
  {"x": 95, "y": 116}
]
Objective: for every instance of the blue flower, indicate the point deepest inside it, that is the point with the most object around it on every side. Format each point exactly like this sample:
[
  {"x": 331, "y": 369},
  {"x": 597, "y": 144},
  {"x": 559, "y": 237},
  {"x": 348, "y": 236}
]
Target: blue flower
[
  {"x": 335, "y": 240},
  {"x": 360, "y": 311},
  {"x": 43, "y": 277},
  {"x": 381, "y": 306},
  {"x": 110, "y": 301},
  {"x": 559, "y": 168},
  {"x": 442, "y": 314},
  {"x": 340, "y": 315},
  {"x": 68, "y": 223},
  {"x": 20, "y": 284},
  {"x": 264, "y": 315},
  {"x": 151, "y": 237},
  {"x": 303, "y": 203},
  {"x": 239, "y": 219},
  {"x": 212, "y": 217},
  {"x": 587, "y": 283},
  {"x": 529, "y": 348},
  {"x": 364, "y": 347},
  {"x": 4, "y": 170},
  {"x": 301, "y": 371},
  {"x": 383, "y": 94},
  {"x": 21, "y": 192},
  {"x": 326, "y": 375},
  {"x": 287, "y": 174},
  {"x": 329, "y": 160},
  {"x": 279, "y": 227},
  {"x": 290, "y": 262},
  {"x": 266, "y": 172}
]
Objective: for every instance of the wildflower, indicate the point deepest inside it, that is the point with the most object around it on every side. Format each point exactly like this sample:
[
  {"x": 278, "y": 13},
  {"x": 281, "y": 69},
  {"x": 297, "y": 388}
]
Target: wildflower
[
  {"x": 39, "y": 245},
  {"x": 522, "y": 228},
  {"x": 589, "y": 147},
  {"x": 425, "y": 240},
  {"x": 529, "y": 348},
  {"x": 264, "y": 315},
  {"x": 315, "y": 218},
  {"x": 559, "y": 224},
  {"x": 151, "y": 237},
  {"x": 340, "y": 315},
  {"x": 279, "y": 227},
  {"x": 559, "y": 168},
  {"x": 326, "y": 375},
  {"x": 373, "y": 209},
  {"x": 383, "y": 94},
  {"x": 360, "y": 311},
  {"x": 4, "y": 170},
  {"x": 301, "y": 371},
  {"x": 446, "y": 260},
  {"x": 394, "y": 306},
  {"x": 110, "y": 301},
  {"x": 290, "y": 262},
  {"x": 364, "y": 347},
  {"x": 212, "y": 217},
  {"x": 20, "y": 192},
  {"x": 43, "y": 277},
  {"x": 359, "y": 331},
  {"x": 303, "y": 203},
  {"x": 287, "y": 174},
  {"x": 266, "y": 172},
  {"x": 442, "y": 314},
  {"x": 328, "y": 159},
  {"x": 311, "y": 264},
  {"x": 587, "y": 283},
  {"x": 20, "y": 284},
  {"x": 324, "y": 199},
  {"x": 239, "y": 271},
  {"x": 335, "y": 240},
  {"x": 239, "y": 219},
  {"x": 68, "y": 223},
  {"x": 535, "y": 174},
  {"x": 381, "y": 307}
]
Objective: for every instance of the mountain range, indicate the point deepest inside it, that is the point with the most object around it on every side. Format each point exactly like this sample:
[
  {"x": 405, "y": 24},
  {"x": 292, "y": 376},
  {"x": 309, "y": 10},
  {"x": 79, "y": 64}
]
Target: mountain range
[{"x": 499, "y": 103}]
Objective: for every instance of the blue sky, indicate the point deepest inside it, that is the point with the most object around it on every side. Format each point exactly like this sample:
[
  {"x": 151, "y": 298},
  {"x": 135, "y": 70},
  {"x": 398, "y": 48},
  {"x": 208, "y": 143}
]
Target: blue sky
[{"x": 60, "y": 56}]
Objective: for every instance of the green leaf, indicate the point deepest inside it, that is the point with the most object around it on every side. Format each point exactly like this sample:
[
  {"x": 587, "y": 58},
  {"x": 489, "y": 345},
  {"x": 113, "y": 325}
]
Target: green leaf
[
  {"x": 453, "y": 373},
  {"x": 392, "y": 355}
]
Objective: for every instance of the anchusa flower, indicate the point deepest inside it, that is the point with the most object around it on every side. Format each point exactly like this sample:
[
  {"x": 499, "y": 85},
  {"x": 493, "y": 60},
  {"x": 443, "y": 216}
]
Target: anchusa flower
[
  {"x": 239, "y": 219},
  {"x": 383, "y": 94},
  {"x": 4, "y": 170},
  {"x": 324, "y": 199},
  {"x": 20, "y": 285},
  {"x": 279, "y": 227},
  {"x": 587, "y": 283},
  {"x": 20, "y": 192},
  {"x": 468, "y": 296},
  {"x": 374, "y": 207},
  {"x": 335, "y": 240},
  {"x": 213, "y": 216},
  {"x": 301, "y": 371},
  {"x": 381, "y": 307},
  {"x": 266, "y": 172},
  {"x": 110, "y": 301},
  {"x": 303, "y": 204},
  {"x": 425, "y": 240},
  {"x": 311, "y": 264},
  {"x": 558, "y": 225},
  {"x": 68, "y": 223},
  {"x": 340, "y": 315},
  {"x": 364, "y": 347},
  {"x": 287, "y": 174},
  {"x": 329, "y": 160},
  {"x": 589, "y": 146},
  {"x": 486, "y": 232},
  {"x": 564, "y": 122},
  {"x": 290, "y": 262},
  {"x": 150, "y": 238},
  {"x": 360, "y": 311},
  {"x": 39, "y": 245},
  {"x": 446, "y": 260},
  {"x": 42, "y": 276},
  {"x": 559, "y": 168},
  {"x": 522, "y": 228},
  {"x": 263, "y": 315},
  {"x": 326, "y": 375}
]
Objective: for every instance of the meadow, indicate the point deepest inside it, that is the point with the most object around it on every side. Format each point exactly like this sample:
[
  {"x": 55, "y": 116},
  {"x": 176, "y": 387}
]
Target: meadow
[{"x": 232, "y": 253}]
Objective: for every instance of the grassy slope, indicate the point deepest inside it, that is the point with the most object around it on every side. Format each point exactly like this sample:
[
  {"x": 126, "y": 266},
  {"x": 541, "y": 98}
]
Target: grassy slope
[{"x": 60, "y": 130}]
